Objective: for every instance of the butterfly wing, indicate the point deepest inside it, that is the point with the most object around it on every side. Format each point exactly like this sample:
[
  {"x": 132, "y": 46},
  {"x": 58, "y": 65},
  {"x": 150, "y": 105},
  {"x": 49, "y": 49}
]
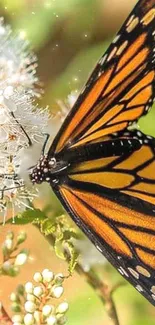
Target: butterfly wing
[
  {"x": 111, "y": 196},
  {"x": 121, "y": 87},
  {"x": 112, "y": 199}
]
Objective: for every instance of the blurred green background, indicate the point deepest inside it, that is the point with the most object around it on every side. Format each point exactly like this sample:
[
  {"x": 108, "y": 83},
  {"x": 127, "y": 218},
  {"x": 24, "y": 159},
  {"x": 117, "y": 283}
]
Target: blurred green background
[{"x": 69, "y": 36}]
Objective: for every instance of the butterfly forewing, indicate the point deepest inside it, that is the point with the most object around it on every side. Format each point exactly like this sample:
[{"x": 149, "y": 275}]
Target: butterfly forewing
[{"x": 121, "y": 87}]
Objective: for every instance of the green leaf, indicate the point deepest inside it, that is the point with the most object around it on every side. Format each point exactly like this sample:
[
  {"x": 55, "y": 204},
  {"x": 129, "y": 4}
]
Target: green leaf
[
  {"x": 68, "y": 234},
  {"x": 48, "y": 227},
  {"x": 28, "y": 216},
  {"x": 59, "y": 249},
  {"x": 73, "y": 256}
]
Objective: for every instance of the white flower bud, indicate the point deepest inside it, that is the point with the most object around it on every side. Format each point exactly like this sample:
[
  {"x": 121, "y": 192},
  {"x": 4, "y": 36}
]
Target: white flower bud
[
  {"x": 59, "y": 278},
  {"x": 20, "y": 259},
  {"x": 29, "y": 287},
  {"x": 47, "y": 275},
  {"x": 47, "y": 309},
  {"x": 37, "y": 315},
  {"x": 30, "y": 307},
  {"x": 57, "y": 291},
  {"x": 51, "y": 320},
  {"x": 62, "y": 308},
  {"x": 28, "y": 319},
  {"x": 8, "y": 243},
  {"x": 30, "y": 297},
  {"x": 7, "y": 266},
  {"x": 37, "y": 277},
  {"x": 17, "y": 319},
  {"x": 13, "y": 297},
  {"x": 17, "y": 323},
  {"x": 38, "y": 291},
  {"x": 44, "y": 272}
]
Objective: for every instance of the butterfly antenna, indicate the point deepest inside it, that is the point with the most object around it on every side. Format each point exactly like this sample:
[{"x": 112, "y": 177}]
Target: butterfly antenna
[{"x": 44, "y": 145}]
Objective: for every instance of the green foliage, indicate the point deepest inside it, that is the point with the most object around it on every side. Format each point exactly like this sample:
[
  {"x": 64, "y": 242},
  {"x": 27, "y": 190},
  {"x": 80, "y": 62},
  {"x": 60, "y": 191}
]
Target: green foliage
[
  {"x": 28, "y": 216},
  {"x": 61, "y": 234}
]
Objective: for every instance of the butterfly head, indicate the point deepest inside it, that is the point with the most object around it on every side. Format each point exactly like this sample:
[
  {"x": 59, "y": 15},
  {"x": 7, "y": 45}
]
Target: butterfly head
[{"x": 42, "y": 171}]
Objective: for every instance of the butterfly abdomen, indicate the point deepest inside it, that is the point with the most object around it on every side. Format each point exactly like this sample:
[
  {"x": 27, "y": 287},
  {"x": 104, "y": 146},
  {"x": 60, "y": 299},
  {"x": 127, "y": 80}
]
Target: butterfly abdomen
[{"x": 110, "y": 148}]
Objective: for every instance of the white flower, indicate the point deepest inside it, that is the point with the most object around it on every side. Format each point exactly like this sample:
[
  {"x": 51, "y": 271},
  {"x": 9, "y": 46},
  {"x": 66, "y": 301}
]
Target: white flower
[
  {"x": 48, "y": 276},
  {"x": 37, "y": 315},
  {"x": 29, "y": 287},
  {"x": 47, "y": 309},
  {"x": 20, "y": 259},
  {"x": 28, "y": 319},
  {"x": 17, "y": 318},
  {"x": 13, "y": 297},
  {"x": 30, "y": 306},
  {"x": 30, "y": 297},
  {"x": 57, "y": 291},
  {"x": 20, "y": 125},
  {"x": 37, "y": 277},
  {"x": 38, "y": 291},
  {"x": 51, "y": 320},
  {"x": 62, "y": 308},
  {"x": 8, "y": 243}
]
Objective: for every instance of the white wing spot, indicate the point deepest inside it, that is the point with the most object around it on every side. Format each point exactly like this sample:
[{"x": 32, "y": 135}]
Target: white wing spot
[
  {"x": 133, "y": 272},
  {"x": 139, "y": 288}
]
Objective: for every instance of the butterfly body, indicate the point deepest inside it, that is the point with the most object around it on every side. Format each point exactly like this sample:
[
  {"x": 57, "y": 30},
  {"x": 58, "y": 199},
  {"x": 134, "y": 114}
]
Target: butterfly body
[{"x": 102, "y": 172}]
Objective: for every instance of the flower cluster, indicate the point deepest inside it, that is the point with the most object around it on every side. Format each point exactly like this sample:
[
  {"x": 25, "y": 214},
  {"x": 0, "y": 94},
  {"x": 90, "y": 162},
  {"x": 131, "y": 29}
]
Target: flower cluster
[
  {"x": 13, "y": 258},
  {"x": 34, "y": 304},
  {"x": 20, "y": 125}
]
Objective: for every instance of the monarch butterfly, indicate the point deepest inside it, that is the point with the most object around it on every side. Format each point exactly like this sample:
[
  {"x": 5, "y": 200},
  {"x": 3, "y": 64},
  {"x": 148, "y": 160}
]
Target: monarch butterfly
[{"x": 104, "y": 173}]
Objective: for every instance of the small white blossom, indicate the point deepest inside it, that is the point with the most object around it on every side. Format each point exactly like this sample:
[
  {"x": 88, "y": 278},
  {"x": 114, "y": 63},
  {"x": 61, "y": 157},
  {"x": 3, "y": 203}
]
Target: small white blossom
[
  {"x": 62, "y": 308},
  {"x": 17, "y": 318},
  {"x": 44, "y": 272},
  {"x": 37, "y": 277},
  {"x": 28, "y": 319},
  {"x": 17, "y": 323},
  {"x": 37, "y": 316},
  {"x": 13, "y": 297},
  {"x": 20, "y": 125},
  {"x": 30, "y": 306},
  {"x": 38, "y": 291},
  {"x": 8, "y": 243},
  {"x": 57, "y": 291},
  {"x": 20, "y": 259},
  {"x": 29, "y": 287},
  {"x": 48, "y": 276},
  {"x": 38, "y": 304},
  {"x": 30, "y": 297},
  {"x": 6, "y": 266},
  {"x": 51, "y": 320},
  {"x": 47, "y": 309}
]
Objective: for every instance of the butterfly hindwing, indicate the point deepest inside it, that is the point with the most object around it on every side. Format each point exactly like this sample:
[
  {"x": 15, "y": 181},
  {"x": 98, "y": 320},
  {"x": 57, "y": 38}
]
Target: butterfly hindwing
[{"x": 112, "y": 200}]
